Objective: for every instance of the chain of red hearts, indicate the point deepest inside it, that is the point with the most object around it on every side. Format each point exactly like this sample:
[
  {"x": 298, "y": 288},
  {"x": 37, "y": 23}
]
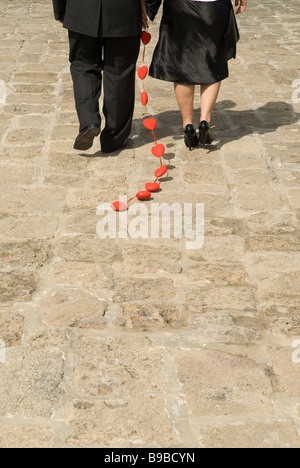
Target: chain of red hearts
[{"x": 150, "y": 124}]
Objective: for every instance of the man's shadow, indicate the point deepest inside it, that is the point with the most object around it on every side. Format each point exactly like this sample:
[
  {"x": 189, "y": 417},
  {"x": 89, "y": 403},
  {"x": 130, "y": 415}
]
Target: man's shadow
[{"x": 229, "y": 124}]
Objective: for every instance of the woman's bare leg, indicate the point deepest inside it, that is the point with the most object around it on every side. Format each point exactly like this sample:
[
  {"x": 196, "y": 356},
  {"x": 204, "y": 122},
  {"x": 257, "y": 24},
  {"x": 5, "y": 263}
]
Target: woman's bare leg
[
  {"x": 185, "y": 95},
  {"x": 209, "y": 96}
]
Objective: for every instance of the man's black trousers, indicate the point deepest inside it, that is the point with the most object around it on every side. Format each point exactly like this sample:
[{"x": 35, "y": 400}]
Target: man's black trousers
[{"x": 116, "y": 58}]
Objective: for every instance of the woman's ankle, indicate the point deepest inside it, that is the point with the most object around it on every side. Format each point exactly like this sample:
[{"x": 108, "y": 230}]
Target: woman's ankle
[
  {"x": 205, "y": 118},
  {"x": 187, "y": 122}
]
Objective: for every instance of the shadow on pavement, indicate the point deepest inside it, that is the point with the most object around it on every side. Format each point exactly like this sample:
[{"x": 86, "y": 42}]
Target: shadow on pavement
[{"x": 229, "y": 124}]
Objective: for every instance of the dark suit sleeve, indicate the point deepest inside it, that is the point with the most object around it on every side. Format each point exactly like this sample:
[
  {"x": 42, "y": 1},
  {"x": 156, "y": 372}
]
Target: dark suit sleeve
[
  {"x": 59, "y": 9},
  {"x": 152, "y": 8}
]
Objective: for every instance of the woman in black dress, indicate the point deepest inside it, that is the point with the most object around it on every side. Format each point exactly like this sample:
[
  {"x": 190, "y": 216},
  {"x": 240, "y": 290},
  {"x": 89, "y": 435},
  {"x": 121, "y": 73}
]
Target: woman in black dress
[{"x": 197, "y": 39}]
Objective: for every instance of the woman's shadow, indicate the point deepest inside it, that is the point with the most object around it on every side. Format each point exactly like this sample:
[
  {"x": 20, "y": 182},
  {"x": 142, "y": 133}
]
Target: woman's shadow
[{"x": 229, "y": 124}]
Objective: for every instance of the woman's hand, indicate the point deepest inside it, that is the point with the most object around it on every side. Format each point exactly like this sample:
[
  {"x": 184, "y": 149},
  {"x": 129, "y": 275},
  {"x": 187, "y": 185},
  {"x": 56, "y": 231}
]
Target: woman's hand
[
  {"x": 242, "y": 6},
  {"x": 145, "y": 17}
]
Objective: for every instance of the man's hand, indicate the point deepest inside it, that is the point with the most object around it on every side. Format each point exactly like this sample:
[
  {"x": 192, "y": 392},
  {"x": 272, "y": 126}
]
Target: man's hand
[
  {"x": 242, "y": 6},
  {"x": 145, "y": 17}
]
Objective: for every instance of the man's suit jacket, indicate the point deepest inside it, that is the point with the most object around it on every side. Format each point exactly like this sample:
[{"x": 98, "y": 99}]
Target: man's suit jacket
[{"x": 106, "y": 18}]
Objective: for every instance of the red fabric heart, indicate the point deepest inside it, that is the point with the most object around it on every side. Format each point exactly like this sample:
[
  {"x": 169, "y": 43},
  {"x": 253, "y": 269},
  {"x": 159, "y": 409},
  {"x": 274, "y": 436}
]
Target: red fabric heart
[
  {"x": 119, "y": 206},
  {"x": 143, "y": 195},
  {"x": 158, "y": 151},
  {"x": 150, "y": 124},
  {"x": 152, "y": 187},
  {"x": 161, "y": 171},
  {"x": 142, "y": 72},
  {"x": 144, "y": 98},
  {"x": 146, "y": 37}
]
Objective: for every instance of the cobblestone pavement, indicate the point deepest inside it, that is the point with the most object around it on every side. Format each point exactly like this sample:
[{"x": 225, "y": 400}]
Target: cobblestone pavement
[{"x": 143, "y": 343}]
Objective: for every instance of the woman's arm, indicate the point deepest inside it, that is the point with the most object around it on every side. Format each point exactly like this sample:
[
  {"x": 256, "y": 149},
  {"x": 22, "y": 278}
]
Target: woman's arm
[{"x": 152, "y": 8}]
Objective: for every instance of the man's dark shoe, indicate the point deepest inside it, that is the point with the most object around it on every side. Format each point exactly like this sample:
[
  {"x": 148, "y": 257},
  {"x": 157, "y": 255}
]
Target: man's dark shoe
[
  {"x": 85, "y": 139},
  {"x": 112, "y": 150}
]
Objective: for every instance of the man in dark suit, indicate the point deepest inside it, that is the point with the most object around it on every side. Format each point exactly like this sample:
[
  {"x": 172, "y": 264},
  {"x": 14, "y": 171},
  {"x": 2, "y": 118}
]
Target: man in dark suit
[{"x": 104, "y": 36}]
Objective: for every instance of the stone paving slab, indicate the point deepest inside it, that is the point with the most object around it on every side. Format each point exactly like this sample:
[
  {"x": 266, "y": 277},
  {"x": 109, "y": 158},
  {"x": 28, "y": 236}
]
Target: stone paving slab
[{"x": 141, "y": 342}]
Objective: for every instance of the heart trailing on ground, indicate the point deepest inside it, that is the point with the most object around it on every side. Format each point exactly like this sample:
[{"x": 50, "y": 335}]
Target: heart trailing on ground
[
  {"x": 158, "y": 151},
  {"x": 161, "y": 171},
  {"x": 143, "y": 195},
  {"x": 119, "y": 206},
  {"x": 152, "y": 187},
  {"x": 150, "y": 124}
]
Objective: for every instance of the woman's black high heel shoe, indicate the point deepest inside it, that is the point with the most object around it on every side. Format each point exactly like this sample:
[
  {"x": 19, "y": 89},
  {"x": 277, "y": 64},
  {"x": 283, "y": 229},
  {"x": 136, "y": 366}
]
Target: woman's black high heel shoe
[
  {"x": 205, "y": 133},
  {"x": 190, "y": 137}
]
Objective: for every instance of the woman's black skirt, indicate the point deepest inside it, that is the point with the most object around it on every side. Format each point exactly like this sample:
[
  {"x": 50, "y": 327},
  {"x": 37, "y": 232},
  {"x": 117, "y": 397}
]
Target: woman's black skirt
[{"x": 196, "y": 41}]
